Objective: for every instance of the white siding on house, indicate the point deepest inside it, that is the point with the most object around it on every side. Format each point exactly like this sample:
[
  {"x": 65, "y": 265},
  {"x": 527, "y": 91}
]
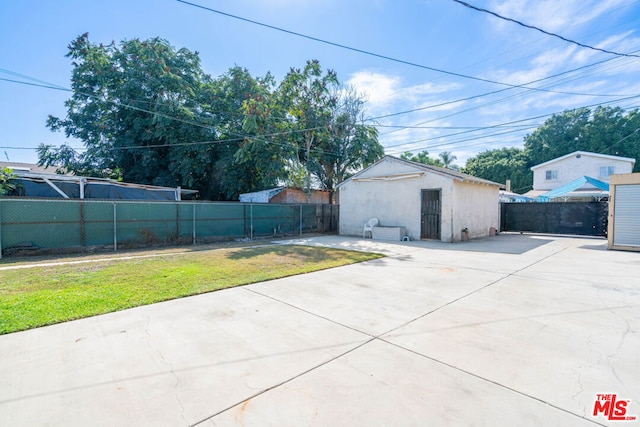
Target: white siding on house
[
  {"x": 568, "y": 168},
  {"x": 394, "y": 203},
  {"x": 477, "y": 208},
  {"x": 391, "y": 191}
]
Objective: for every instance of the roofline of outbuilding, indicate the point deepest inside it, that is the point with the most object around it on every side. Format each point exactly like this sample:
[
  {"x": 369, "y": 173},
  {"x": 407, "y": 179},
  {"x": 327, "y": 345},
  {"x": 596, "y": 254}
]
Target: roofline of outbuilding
[{"x": 458, "y": 176}]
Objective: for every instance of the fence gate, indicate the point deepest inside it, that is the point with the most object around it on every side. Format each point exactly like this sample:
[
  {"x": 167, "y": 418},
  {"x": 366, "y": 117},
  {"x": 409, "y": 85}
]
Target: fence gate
[{"x": 578, "y": 218}]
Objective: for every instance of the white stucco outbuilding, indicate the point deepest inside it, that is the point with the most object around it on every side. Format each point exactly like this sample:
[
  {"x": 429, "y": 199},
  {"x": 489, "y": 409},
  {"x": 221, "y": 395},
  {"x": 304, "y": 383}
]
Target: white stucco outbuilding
[{"x": 429, "y": 202}]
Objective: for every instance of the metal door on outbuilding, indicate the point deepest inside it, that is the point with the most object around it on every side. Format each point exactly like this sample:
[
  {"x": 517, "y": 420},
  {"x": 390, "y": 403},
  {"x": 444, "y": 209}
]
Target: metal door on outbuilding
[{"x": 624, "y": 212}]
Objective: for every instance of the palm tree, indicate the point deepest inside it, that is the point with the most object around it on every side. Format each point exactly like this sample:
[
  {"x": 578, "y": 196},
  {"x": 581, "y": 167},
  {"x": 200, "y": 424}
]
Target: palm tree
[{"x": 447, "y": 159}]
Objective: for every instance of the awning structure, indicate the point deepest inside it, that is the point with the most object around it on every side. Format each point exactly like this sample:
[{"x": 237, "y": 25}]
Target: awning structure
[
  {"x": 569, "y": 190},
  {"x": 510, "y": 197},
  {"x": 79, "y": 187}
]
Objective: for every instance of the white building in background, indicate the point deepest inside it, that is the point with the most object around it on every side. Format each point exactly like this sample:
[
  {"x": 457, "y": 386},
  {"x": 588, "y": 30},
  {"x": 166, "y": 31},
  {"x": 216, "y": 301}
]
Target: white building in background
[{"x": 563, "y": 170}]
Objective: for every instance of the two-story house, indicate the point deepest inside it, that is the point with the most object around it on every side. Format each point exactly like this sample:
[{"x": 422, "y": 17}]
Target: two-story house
[{"x": 585, "y": 175}]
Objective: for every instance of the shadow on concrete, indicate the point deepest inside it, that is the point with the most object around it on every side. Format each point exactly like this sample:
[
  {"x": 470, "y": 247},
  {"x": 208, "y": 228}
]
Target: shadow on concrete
[
  {"x": 509, "y": 243},
  {"x": 503, "y": 244},
  {"x": 601, "y": 247},
  {"x": 516, "y": 244}
]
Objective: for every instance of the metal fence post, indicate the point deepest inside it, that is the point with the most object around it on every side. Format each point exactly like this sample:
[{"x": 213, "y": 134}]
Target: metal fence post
[
  {"x": 301, "y": 220},
  {"x": 251, "y": 221},
  {"x": 115, "y": 233},
  {"x": 194, "y": 223}
]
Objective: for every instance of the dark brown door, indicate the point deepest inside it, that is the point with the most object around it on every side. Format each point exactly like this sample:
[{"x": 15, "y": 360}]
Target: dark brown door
[{"x": 431, "y": 208}]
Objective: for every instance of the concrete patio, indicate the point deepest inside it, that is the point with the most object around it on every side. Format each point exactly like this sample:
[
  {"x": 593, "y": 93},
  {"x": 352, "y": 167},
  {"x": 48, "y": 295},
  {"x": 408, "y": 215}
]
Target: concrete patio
[{"x": 510, "y": 330}]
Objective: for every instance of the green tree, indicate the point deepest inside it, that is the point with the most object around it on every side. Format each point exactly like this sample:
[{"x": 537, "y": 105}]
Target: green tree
[
  {"x": 137, "y": 108},
  {"x": 422, "y": 157},
  {"x": 500, "y": 165},
  {"x": 349, "y": 146},
  {"x": 7, "y": 185},
  {"x": 447, "y": 159},
  {"x": 308, "y": 97},
  {"x": 605, "y": 130},
  {"x": 251, "y": 154}
]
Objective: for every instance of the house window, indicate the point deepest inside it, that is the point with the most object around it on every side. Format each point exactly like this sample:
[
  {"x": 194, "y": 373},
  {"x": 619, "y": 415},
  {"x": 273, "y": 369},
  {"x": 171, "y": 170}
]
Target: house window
[
  {"x": 551, "y": 175},
  {"x": 605, "y": 171}
]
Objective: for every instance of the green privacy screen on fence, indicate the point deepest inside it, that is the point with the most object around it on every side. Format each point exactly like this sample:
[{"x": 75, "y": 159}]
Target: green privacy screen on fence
[{"x": 37, "y": 224}]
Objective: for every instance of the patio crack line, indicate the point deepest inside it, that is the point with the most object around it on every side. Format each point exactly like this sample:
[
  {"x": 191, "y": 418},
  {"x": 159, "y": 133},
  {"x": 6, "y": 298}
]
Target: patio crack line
[
  {"x": 309, "y": 312},
  {"x": 378, "y": 337},
  {"x": 491, "y": 382},
  {"x": 313, "y": 368},
  {"x": 453, "y": 301},
  {"x": 169, "y": 364}
]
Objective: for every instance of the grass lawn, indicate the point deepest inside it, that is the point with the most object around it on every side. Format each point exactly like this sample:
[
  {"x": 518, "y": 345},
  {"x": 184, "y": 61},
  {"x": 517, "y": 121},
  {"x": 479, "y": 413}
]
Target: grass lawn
[{"x": 45, "y": 295}]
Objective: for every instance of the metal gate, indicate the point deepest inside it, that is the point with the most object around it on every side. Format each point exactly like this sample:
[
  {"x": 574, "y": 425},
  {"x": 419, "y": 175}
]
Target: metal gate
[
  {"x": 430, "y": 221},
  {"x": 578, "y": 218}
]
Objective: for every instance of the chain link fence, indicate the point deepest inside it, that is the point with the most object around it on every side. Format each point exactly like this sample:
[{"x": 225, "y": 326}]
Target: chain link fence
[{"x": 37, "y": 226}]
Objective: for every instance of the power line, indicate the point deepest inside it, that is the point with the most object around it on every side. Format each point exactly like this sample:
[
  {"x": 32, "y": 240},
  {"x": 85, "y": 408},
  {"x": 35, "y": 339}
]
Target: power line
[
  {"x": 362, "y": 51},
  {"x": 47, "y": 86},
  {"x": 506, "y": 89},
  {"x": 532, "y": 27},
  {"x": 166, "y": 116},
  {"x": 625, "y": 97},
  {"x": 494, "y": 126}
]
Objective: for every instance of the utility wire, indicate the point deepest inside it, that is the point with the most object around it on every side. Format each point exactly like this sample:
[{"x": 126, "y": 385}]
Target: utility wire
[
  {"x": 448, "y": 143},
  {"x": 362, "y": 51},
  {"x": 503, "y": 90},
  {"x": 532, "y": 27},
  {"x": 166, "y": 116}
]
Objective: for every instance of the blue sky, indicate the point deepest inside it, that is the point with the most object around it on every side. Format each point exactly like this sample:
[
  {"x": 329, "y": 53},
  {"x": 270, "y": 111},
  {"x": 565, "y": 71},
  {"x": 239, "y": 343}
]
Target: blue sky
[{"x": 434, "y": 34}]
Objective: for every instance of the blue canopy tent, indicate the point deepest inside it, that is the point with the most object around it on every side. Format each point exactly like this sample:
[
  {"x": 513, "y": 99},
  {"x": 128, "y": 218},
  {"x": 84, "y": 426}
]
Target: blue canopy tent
[{"x": 572, "y": 186}]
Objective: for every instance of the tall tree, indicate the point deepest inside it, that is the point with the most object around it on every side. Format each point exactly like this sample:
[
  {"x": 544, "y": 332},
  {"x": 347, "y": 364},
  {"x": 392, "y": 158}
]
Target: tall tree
[
  {"x": 447, "y": 159},
  {"x": 605, "y": 130},
  {"x": 136, "y": 107},
  {"x": 500, "y": 165},
  {"x": 350, "y": 144},
  {"x": 251, "y": 155},
  {"x": 421, "y": 157},
  {"x": 308, "y": 97}
]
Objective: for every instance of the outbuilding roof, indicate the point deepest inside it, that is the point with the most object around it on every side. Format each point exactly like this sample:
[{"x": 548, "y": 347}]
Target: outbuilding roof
[{"x": 421, "y": 167}]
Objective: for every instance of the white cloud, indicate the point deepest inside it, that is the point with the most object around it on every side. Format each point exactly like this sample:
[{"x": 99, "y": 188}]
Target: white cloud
[
  {"x": 380, "y": 89},
  {"x": 386, "y": 93},
  {"x": 553, "y": 15}
]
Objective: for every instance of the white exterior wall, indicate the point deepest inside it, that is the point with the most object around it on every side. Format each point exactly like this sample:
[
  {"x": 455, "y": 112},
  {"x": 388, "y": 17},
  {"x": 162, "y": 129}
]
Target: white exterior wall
[
  {"x": 476, "y": 208},
  {"x": 394, "y": 203},
  {"x": 398, "y": 202},
  {"x": 572, "y": 168}
]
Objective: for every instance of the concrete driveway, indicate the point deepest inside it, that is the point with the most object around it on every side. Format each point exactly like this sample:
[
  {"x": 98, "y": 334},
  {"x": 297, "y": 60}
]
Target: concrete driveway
[{"x": 511, "y": 330}]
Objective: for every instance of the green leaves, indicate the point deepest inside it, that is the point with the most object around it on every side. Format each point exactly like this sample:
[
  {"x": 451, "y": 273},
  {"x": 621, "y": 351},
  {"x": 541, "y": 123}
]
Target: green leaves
[
  {"x": 605, "y": 130},
  {"x": 422, "y": 157},
  {"x": 147, "y": 113},
  {"x": 6, "y": 185},
  {"x": 500, "y": 165}
]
